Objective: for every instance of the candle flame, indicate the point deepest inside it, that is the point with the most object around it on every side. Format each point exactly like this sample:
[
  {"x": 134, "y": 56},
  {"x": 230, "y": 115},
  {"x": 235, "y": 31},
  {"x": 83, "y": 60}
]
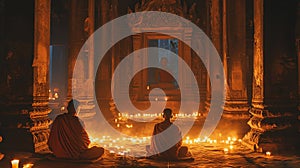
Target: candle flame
[
  {"x": 28, "y": 165},
  {"x": 226, "y": 150}
]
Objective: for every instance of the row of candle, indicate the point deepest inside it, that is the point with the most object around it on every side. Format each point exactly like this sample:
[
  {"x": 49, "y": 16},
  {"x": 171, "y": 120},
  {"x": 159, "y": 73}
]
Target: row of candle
[{"x": 155, "y": 115}]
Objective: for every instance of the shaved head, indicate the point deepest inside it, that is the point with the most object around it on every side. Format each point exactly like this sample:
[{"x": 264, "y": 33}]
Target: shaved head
[{"x": 167, "y": 113}]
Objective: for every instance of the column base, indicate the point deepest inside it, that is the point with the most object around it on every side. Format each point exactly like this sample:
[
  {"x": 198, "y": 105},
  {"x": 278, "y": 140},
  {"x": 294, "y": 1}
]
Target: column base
[
  {"x": 28, "y": 123},
  {"x": 273, "y": 130},
  {"x": 236, "y": 109},
  {"x": 277, "y": 142},
  {"x": 87, "y": 108}
]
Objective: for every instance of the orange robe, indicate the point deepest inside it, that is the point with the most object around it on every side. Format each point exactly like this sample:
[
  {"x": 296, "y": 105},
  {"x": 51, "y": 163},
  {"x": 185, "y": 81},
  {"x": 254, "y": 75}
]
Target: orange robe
[
  {"x": 68, "y": 139},
  {"x": 160, "y": 143}
]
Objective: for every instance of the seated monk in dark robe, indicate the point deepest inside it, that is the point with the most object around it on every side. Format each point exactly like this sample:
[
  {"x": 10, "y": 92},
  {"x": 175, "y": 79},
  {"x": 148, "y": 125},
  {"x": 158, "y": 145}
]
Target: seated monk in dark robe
[
  {"x": 68, "y": 138},
  {"x": 164, "y": 134}
]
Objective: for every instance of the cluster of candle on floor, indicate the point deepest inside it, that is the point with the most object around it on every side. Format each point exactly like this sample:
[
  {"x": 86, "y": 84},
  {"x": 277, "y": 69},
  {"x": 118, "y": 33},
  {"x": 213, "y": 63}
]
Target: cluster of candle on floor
[
  {"x": 124, "y": 116},
  {"x": 53, "y": 95},
  {"x": 121, "y": 145},
  {"x": 117, "y": 145}
]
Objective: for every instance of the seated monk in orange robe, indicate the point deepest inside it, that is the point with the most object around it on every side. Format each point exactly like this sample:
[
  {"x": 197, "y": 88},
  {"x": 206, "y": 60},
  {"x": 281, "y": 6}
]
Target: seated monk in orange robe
[
  {"x": 69, "y": 140},
  {"x": 164, "y": 134}
]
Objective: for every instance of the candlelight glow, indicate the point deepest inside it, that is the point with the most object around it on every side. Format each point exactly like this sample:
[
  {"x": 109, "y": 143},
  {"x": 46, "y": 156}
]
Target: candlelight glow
[
  {"x": 123, "y": 146},
  {"x": 28, "y": 165},
  {"x": 268, "y": 153},
  {"x": 15, "y": 163},
  {"x": 226, "y": 150},
  {"x": 126, "y": 116}
]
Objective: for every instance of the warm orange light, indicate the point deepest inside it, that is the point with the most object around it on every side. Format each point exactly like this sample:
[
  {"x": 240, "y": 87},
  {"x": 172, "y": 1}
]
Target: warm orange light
[
  {"x": 28, "y": 165},
  {"x": 15, "y": 163},
  {"x": 268, "y": 153},
  {"x": 226, "y": 150}
]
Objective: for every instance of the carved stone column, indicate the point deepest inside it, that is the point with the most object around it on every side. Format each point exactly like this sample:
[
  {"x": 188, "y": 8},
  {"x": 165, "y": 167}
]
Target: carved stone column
[
  {"x": 104, "y": 73},
  {"x": 215, "y": 35},
  {"x": 82, "y": 26},
  {"x": 116, "y": 53},
  {"x": 234, "y": 58},
  {"x": 274, "y": 97},
  {"x": 87, "y": 104},
  {"x": 77, "y": 34},
  {"x": 39, "y": 116}
]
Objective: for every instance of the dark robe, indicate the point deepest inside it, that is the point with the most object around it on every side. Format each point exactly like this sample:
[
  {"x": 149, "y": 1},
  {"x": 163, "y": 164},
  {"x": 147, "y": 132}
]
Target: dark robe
[
  {"x": 68, "y": 139},
  {"x": 160, "y": 142}
]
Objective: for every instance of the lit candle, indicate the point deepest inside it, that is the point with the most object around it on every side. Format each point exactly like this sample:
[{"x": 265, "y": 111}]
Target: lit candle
[
  {"x": 225, "y": 150},
  {"x": 29, "y": 165},
  {"x": 268, "y": 153},
  {"x": 56, "y": 95},
  {"x": 15, "y": 163}
]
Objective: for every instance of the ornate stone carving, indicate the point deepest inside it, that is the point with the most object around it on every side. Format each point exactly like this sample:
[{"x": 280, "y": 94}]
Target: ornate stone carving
[
  {"x": 169, "y": 6},
  {"x": 39, "y": 119},
  {"x": 258, "y": 69}
]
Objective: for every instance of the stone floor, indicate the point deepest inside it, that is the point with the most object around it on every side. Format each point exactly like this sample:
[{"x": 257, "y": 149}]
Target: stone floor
[{"x": 205, "y": 154}]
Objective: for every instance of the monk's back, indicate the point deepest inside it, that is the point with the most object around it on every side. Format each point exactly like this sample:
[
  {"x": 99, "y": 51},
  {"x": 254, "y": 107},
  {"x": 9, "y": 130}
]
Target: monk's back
[{"x": 67, "y": 137}]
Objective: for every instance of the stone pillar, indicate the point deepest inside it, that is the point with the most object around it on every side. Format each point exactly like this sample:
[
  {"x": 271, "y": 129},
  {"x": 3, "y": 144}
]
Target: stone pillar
[
  {"x": 116, "y": 52},
  {"x": 87, "y": 104},
  {"x": 215, "y": 35},
  {"x": 77, "y": 37},
  {"x": 39, "y": 115},
  {"x": 234, "y": 58},
  {"x": 274, "y": 97},
  {"x": 82, "y": 25},
  {"x": 104, "y": 73}
]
